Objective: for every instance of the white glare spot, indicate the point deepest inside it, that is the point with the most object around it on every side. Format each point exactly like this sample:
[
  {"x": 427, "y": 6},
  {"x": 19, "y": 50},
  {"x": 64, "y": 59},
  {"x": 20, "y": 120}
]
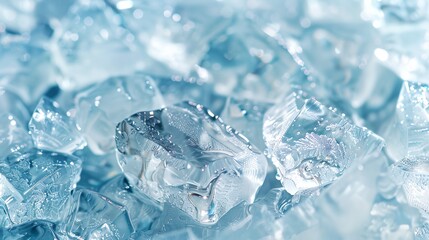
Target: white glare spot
[
  {"x": 126, "y": 4},
  {"x": 381, "y": 54}
]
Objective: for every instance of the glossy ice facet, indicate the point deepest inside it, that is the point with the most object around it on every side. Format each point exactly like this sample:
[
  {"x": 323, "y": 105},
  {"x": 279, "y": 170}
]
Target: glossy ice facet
[
  {"x": 186, "y": 155},
  {"x": 311, "y": 145},
  {"x": 95, "y": 216},
  {"x": 36, "y": 185},
  {"x": 406, "y": 134},
  {"x": 246, "y": 116},
  {"x": 143, "y": 212},
  {"x": 14, "y": 136},
  {"x": 102, "y": 106},
  {"x": 52, "y": 129}
]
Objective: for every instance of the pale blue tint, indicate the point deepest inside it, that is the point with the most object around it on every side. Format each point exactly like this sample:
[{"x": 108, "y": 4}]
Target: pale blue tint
[
  {"x": 36, "y": 185},
  {"x": 186, "y": 155},
  {"x": 51, "y": 128}
]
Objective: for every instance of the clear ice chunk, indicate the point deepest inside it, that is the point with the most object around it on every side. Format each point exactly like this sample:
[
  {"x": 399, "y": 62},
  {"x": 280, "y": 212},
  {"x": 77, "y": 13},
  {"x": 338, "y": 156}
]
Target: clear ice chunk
[
  {"x": 242, "y": 60},
  {"x": 102, "y": 106},
  {"x": 31, "y": 230},
  {"x": 94, "y": 216},
  {"x": 406, "y": 134},
  {"x": 412, "y": 174},
  {"x": 175, "y": 33},
  {"x": 12, "y": 104},
  {"x": 186, "y": 155},
  {"x": 246, "y": 116},
  {"x": 311, "y": 145},
  {"x": 91, "y": 33},
  {"x": 319, "y": 215},
  {"x": 143, "y": 211},
  {"x": 36, "y": 185},
  {"x": 52, "y": 129}
]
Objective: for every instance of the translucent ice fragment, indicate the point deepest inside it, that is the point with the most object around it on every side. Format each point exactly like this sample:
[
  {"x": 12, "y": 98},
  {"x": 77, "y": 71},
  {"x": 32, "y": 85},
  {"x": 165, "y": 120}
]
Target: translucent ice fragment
[
  {"x": 13, "y": 118},
  {"x": 31, "y": 230},
  {"x": 95, "y": 216},
  {"x": 407, "y": 133},
  {"x": 102, "y": 106},
  {"x": 404, "y": 50},
  {"x": 413, "y": 175},
  {"x": 186, "y": 155},
  {"x": 143, "y": 212},
  {"x": 390, "y": 12},
  {"x": 325, "y": 215},
  {"x": 190, "y": 89},
  {"x": 36, "y": 185},
  {"x": 14, "y": 136},
  {"x": 52, "y": 129},
  {"x": 247, "y": 117},
  {"x": 25, "y": 68},
  {"x": 91, "y": 33},
  {"x": 242, "y": 60},
  {"x": 175, "y": 32},
  {"x": 96, "y": 169},
  {"x": 311, "y": 145}
]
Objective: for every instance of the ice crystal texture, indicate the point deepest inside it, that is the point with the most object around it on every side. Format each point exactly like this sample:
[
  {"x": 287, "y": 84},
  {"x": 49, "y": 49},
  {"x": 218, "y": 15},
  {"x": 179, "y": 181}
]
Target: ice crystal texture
[
  {"x": 51, "y": 128},
  {"x": 186, "y": 155},
  {"x": 311, "y": 145},
  {"x": 317, "y": 128},
  {"x": 36, "y": 185}
]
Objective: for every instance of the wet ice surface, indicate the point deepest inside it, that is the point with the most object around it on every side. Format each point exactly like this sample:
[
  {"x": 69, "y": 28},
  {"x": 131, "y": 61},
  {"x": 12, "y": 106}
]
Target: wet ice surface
[
  {"x": 36, "y": 185},
  {"x": 104, "y": 135},
  {"x": 52, "y": 129},
  {"x": 312, "y": 145},
  {"x": 186, "y": 155}
]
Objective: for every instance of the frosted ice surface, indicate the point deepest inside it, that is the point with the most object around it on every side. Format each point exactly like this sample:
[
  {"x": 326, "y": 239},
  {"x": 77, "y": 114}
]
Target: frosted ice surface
[
  {"x": 102, "y": 106},
  {"x": 186, "y": 155},
  {"x": 52, "y": 129},
  {"x": 36, "y": 185},
  {"x": 311, "y": 145}
]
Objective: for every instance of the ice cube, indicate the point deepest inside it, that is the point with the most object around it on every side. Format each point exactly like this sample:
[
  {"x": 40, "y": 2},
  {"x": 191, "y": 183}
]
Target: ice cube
[
  {"x": 143, "y": 211},
  {"x": 95, "y": 216},
  {"x": 311, "y": 145},
  {"x": 102, "y": 106},
  {"x": 36, "y": 185},
  {"x": 186, "y": 155},
  {"x": 52, "y": 129}
]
